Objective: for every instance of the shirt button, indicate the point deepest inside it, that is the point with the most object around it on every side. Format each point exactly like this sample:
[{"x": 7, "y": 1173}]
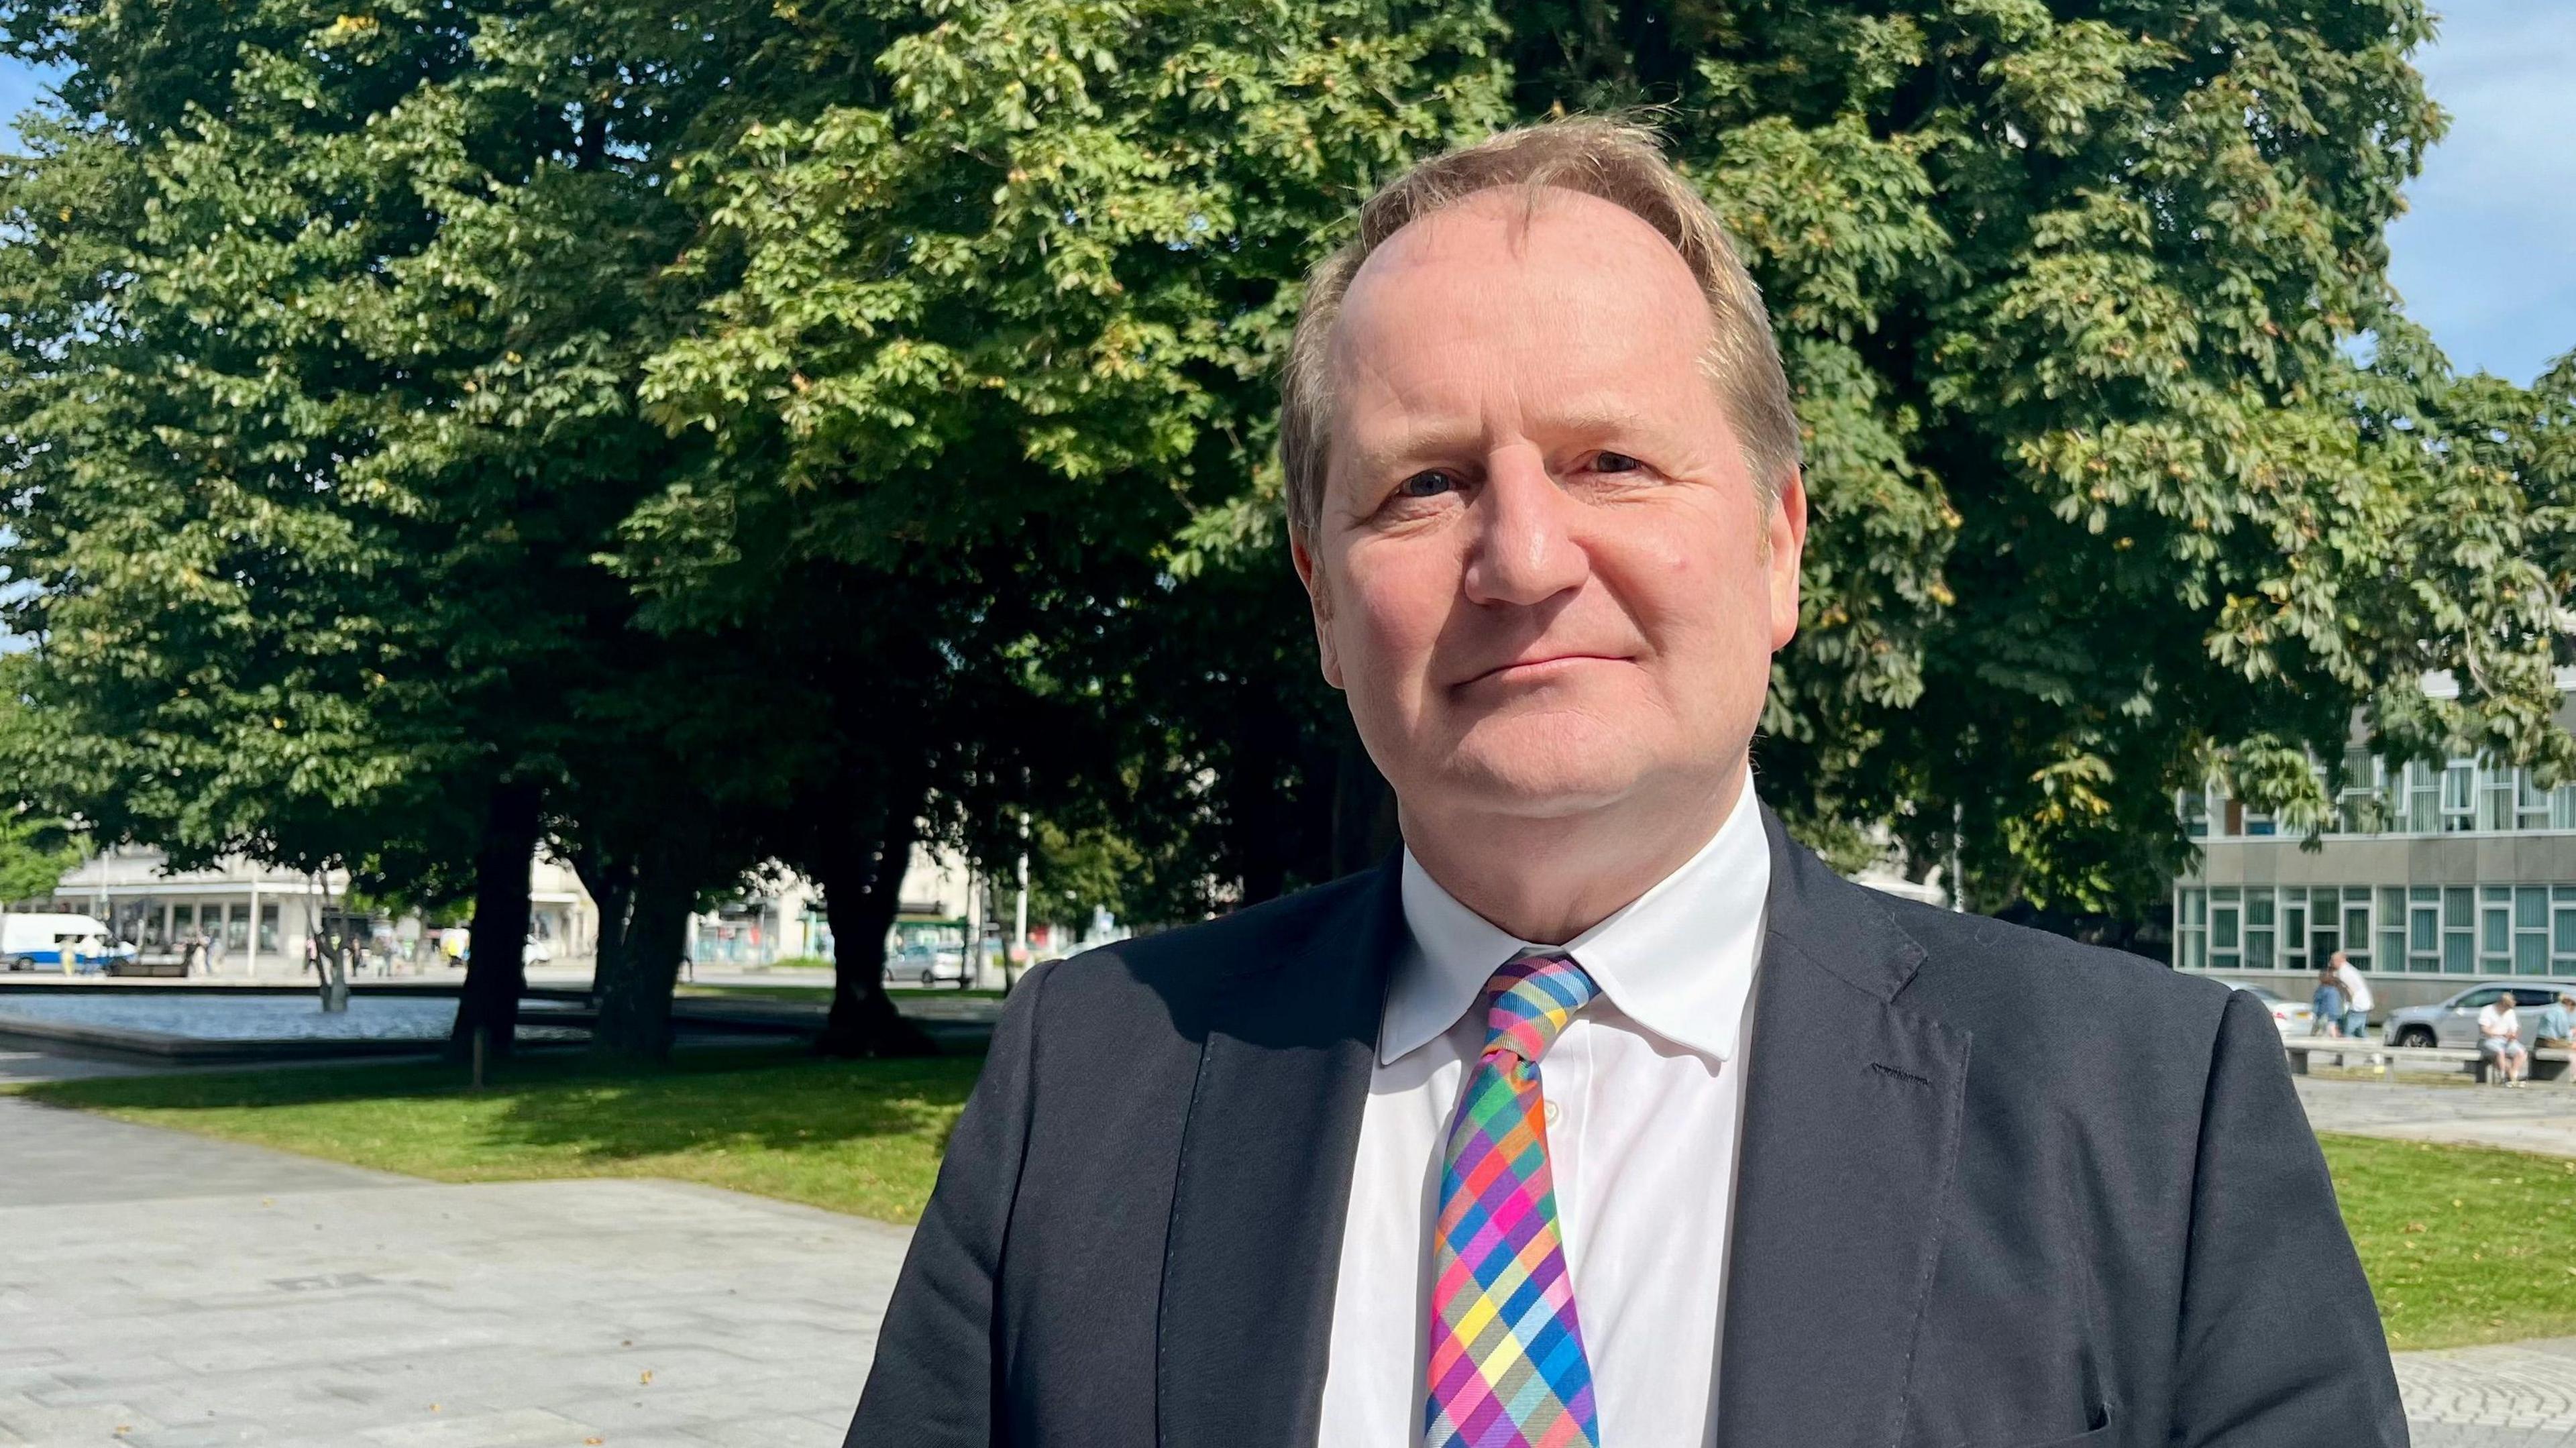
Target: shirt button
[{"x": 1553, "y": 1112}]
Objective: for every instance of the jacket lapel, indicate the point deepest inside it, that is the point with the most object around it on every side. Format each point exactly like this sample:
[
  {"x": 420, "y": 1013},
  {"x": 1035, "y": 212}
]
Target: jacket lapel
[
  {"x": 1851, "y": 1123},
  {"x": 1264, "y": 1182}
]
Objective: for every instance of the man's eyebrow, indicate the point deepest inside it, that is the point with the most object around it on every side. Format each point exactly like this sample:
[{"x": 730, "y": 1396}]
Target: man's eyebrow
[
  {"x": 1591, "y": 414},
  {"x": 1582, "y": 416},
  {"x": 1432, "y": 441}
]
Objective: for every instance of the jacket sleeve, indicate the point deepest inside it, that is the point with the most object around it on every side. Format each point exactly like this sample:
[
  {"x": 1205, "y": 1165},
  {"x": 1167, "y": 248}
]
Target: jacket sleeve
[
  {"x": 2280, "y": 1340},
  {"x": 934, "y": 1384}
]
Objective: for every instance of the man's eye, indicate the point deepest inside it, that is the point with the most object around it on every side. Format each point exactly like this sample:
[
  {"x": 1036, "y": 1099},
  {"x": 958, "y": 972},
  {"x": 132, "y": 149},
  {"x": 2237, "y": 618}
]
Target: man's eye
[
  {"x": 1425, "y": 485},
  {"x": 1611, "y": 462}
]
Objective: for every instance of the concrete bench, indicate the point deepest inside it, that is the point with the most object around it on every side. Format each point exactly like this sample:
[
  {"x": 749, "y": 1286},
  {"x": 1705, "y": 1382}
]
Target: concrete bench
[{"x": 2551, "y": 1064}]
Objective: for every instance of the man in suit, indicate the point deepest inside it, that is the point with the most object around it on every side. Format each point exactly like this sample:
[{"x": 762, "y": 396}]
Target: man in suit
[{"x": 1604, "y": 1114}]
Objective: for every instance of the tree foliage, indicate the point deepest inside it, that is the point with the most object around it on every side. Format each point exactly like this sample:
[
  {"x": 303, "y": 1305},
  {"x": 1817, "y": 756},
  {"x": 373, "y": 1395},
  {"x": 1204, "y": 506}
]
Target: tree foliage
[{"x": 736, "y": 432}]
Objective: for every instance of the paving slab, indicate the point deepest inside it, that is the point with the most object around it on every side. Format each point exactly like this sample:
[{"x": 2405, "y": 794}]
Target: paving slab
[
  {"x": 57, "y": 1157},
  {"x": 2540, "y": 1118},
  {"x": 209, "y": 1293},
  {"x": 205, "y": 1293}
]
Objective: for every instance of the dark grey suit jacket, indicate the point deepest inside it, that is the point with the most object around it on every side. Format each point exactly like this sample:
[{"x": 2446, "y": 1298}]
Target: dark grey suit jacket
[{"x": 1996, "y": 1190}]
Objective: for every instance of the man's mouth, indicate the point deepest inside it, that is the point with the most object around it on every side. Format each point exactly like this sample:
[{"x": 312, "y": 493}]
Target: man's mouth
[{"x": 1539, "y": 667}]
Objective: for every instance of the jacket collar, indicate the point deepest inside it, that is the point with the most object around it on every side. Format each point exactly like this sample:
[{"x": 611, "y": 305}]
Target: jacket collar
[
  {"x": 1843, "y": 1173},
  {"x": 1264, "y": 1176}
]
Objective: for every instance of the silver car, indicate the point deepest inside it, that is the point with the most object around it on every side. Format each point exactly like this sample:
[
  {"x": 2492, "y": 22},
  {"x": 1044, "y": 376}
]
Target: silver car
[
  {"x": 925, "y": 965},
  {"x": 2291, "y": 1018},
  {"x": 2454, "y": 1022}
]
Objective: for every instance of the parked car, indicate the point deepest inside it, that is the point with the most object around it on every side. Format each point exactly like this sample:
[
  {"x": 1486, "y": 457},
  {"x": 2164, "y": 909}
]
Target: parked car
[
  {"x": 33, "y": 941},
  {"x": 925, "y": 965},
  {"x": 2454, "y": 1022},
  {"x": 2289, "y": 1017}
]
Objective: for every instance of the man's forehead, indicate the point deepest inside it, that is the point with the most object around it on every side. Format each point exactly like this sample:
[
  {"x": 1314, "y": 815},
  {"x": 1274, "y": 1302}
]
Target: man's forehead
[
  {"x": 1586, "y": 281},
  {"x": 1524, "y": 223}
]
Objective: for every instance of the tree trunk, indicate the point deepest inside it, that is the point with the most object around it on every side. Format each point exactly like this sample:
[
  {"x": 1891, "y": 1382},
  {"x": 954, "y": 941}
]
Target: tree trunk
[
  {"x": 634, "y": 1003},
  {"x": 612, "y": 889},
  {"x": 497, "y": 971},
  {"x": 861, "y": 888},
  {"x": 335, "y": 985}
]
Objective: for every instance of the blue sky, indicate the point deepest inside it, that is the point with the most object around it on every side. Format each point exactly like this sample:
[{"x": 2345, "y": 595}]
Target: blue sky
[{"x": 2486, "y": 257}]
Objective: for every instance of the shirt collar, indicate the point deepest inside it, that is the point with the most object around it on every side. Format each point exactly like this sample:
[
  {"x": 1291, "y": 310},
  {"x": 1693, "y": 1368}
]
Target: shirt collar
[{"x": 1677, "y": 960}]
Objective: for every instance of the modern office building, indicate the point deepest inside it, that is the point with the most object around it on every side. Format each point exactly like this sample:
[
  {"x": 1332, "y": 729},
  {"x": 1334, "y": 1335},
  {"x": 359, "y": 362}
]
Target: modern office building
[
  {"x": 252, "y": 919},
  {"x": 2429, "y": 877}
]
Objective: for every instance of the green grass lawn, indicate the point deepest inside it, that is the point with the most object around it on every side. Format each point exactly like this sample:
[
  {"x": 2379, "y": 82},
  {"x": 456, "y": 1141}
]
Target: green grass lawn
[
  {"x": 2462, "y": 1244},
  {"x": 820, "y": 995},
  {"x": 853, "y": 1136}
]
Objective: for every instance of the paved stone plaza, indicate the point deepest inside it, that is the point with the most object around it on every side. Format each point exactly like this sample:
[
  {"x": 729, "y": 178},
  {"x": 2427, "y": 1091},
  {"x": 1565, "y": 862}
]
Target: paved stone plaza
[
  {"x": 2539, "y": 1118},
  {"x": 161, "y": 1290},
  {"x": 157, "y": 1289}
]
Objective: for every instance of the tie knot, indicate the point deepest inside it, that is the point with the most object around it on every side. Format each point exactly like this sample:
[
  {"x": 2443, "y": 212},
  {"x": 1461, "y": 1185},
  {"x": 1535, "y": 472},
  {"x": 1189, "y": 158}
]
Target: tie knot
[{"x": 1533, "y": 996}]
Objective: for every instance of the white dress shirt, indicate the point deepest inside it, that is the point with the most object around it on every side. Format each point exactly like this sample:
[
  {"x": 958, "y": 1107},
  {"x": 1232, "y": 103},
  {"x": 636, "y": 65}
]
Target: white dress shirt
[{"x": 1644, "y": 1118}]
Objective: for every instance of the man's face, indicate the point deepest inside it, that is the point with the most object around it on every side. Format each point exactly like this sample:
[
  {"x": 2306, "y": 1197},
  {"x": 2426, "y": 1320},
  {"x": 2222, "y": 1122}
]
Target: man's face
[{"x": 1541, "y": 569}]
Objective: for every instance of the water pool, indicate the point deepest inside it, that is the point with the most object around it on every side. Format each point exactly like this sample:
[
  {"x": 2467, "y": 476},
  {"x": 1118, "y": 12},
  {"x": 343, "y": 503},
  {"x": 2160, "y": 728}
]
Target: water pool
[{"x": 210, "y": 1017}]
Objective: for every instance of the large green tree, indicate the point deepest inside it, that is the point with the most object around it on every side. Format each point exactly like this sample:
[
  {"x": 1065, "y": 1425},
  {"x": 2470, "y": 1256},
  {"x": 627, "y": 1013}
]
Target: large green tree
[
  {"x": 406, "y": 404},
  {"x": 2070, "y": 298},
  {"x": 324, "y": 327},
  {"x": 985, "y": 336}
]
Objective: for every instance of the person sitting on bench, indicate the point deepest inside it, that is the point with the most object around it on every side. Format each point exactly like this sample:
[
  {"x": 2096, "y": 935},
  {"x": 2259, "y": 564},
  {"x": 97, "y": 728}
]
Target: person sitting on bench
[
  {"x": 2500, "y": 1038},
  {"x": 2557, "y": 1028}
]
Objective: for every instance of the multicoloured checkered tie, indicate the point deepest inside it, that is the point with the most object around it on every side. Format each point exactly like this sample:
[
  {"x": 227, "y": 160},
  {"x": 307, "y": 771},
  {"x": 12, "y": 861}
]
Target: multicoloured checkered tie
[{"x": 1507, "y": 1362}]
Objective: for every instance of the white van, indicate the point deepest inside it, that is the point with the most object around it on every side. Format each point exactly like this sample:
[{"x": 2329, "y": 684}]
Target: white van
[{"x": 69, "y": 942}]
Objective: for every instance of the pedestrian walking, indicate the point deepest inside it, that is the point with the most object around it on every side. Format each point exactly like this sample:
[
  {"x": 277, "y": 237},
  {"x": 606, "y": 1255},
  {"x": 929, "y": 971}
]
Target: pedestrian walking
[{"x": 2357, "y": 1000}]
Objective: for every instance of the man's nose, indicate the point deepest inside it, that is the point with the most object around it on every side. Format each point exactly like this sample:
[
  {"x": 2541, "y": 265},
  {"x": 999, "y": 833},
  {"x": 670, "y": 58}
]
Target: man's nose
[{"x": 1525, "y": 548}]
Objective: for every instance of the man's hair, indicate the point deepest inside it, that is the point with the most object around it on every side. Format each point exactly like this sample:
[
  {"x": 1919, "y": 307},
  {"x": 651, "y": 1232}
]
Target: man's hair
[{"x": 1617, "y": 162}]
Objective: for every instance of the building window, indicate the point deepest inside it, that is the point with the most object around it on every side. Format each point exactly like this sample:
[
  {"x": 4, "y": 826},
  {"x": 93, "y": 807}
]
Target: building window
[
  {"x": 2423, "y": 800},
  {"x": 2531, "y": 930},
  {"x": 2357, "y": 808},
  {"x": 2193, "y": 808},
  {"x": 2191, "y": 929},
  {"x": 2531, "y": 804},
  {"x": 268, "y": 929},
  {"x": 2259, "y": 930},
  {"x": 2226, "y": 951},
  {"x": 2459, "y": 796},
  {"x": 2495, "y": 798},
  {"x": 236, "y": 927},
  {"x": 2459, "y": 926}
]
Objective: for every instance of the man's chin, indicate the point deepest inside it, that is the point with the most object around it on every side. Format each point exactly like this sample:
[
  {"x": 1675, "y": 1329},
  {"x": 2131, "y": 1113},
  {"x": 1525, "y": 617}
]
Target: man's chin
[{"x": 1534, "y": 788}]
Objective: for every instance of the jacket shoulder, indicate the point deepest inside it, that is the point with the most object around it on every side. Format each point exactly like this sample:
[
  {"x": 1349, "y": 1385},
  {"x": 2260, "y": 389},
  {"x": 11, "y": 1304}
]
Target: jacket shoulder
[
  {"x": 1194, "y": 957},
  {"x": 1973, "y": 961}
]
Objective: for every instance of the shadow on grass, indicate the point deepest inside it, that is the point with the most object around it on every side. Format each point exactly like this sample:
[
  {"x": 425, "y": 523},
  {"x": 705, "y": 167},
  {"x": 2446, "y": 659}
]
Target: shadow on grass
[{"x": 706, "y": 1101}]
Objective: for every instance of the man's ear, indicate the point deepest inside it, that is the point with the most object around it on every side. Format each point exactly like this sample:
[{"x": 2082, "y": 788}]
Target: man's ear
[
  {"x": 1318, "y": 598},
  {"x": 1787, "y": 546}
]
